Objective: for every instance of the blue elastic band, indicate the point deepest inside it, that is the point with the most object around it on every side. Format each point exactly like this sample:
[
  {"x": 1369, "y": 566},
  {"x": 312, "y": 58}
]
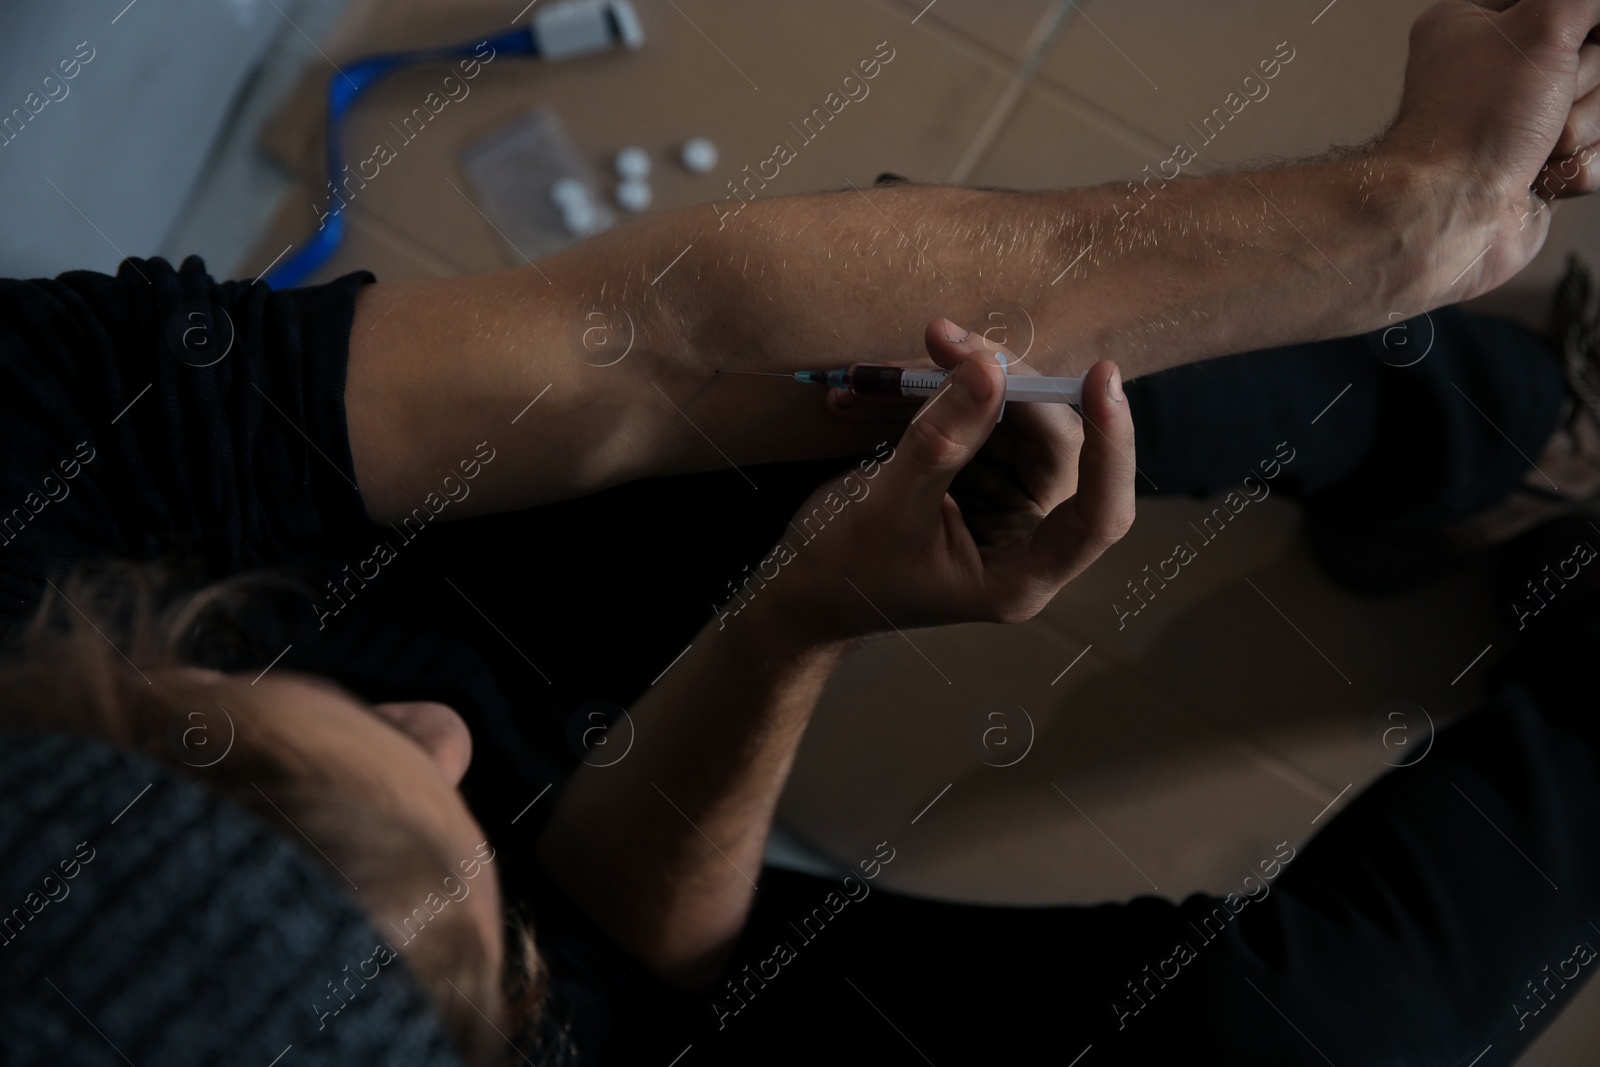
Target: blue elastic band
[{"x": 344, "y": 89}]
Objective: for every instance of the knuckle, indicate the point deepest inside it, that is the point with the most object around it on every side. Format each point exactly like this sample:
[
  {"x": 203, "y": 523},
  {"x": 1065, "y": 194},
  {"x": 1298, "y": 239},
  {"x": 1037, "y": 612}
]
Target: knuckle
[
  {"x": 1017, "y": 606},
  {"x": 1572, "y": 32},
  {"x": 1074, "y": 433},
  {"x": 1567, "y": 143},
  {"x": 1117, "y": 524},
  {"x": 1553, "y": 32},
  {"x": 934, "y": 446},
  {"x": 1426, "y": 22}
]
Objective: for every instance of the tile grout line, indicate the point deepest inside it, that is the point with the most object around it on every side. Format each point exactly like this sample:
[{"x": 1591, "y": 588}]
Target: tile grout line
[
  {"x": 1087, "y": 109},
  {"x": 1262, "y": 755},
  {"x": 1045, "y": 34},
  {"x": 989, "y": 55},
  {"x": 1276, "y": 763}
]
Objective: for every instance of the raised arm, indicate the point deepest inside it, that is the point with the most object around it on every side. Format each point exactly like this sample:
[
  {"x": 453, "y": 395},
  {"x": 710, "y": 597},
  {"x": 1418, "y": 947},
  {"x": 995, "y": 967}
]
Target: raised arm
[{"x": 1438, "y": 211}]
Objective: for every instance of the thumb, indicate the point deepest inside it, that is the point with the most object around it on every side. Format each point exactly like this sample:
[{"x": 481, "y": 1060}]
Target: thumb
[{"x": 947, "y": 431}]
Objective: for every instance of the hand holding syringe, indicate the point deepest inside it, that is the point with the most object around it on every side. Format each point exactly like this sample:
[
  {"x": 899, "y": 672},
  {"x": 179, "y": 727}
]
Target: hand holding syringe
[
  {"x": 872, "y": 379},
  {"x": 967, "y": 517}
]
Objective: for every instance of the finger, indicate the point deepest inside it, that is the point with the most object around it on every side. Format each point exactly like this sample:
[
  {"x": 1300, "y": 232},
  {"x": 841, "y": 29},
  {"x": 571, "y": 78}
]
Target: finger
[
  {"x": 1039, "y": 444},
  {"x": 1583, "y": 121},
  {"x": 949, "y": 345},
  {"x": 1075, "y": 534},
  {"x": 944, "y": 435},
  {"x": 1588, "y": 69},
  {"x": 994, "y": 484},
  {"x": 1042, "y": 439},
  {"x": 1575, "y": 175},
  {"x": 1562, "y": 23}
]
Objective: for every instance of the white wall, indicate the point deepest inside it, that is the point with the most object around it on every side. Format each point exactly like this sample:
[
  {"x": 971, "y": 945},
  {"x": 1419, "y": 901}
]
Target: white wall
[{"x": 126, "y": 138}]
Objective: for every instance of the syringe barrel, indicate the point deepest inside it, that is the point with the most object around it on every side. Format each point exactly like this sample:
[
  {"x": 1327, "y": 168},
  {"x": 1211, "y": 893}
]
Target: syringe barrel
[
  {"x": 1041, "y": 389},
  {"x": 871, "y": 379},
  {"x": 876, "y": 380}
]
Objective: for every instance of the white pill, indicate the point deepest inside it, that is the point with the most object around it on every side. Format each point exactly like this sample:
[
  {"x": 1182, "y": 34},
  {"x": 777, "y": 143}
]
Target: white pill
[
  {"x": 633, "y": 194},
  {"x": 569, "y": 191},
  {"x": 699, "y": 155},
  {"x": 581, "y": 218},
  {"x": 633, "y": 162}
]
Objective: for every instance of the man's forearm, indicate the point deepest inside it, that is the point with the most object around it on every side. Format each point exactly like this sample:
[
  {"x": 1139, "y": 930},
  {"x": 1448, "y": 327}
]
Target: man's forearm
[
  {"x": 1207, "y": 267},
  {"x": 662, "y": 847},
  {"x": 1183, "y": 271},
  {"x": 628, "y": 329}
]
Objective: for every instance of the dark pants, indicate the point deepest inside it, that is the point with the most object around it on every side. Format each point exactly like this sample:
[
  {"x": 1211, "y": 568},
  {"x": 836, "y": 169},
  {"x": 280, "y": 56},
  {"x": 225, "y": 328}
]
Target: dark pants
[{"x": 1445, "y": 910}]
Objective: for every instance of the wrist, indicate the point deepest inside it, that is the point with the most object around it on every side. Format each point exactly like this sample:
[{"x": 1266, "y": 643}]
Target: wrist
[
  {"x": 786, "y": 624},
  {"x": 1445, "y": 231}
]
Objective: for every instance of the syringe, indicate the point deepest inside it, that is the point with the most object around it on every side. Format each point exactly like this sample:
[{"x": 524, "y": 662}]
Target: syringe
[{"x": 872, "y": 379}]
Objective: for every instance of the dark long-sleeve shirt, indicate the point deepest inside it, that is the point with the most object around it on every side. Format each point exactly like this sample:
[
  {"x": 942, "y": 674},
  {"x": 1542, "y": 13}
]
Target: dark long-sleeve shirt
[{"x": 162, "y": 416}]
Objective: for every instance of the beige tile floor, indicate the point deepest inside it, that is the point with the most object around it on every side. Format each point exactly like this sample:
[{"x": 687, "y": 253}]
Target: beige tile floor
[{"x": 1064, "y": 760}]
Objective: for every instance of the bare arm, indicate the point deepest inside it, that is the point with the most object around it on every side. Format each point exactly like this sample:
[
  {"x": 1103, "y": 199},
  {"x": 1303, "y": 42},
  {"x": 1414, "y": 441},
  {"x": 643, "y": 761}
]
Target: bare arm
[
  {"x": 663, "y": 848},
  {"x": 1208, "y": 267},
  {"x": 1437, "y": 212}
]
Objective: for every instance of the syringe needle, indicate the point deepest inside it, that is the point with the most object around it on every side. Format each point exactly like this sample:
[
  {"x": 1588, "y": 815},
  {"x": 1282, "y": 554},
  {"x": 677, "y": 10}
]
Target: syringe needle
[{"x": 762, "y": 373}]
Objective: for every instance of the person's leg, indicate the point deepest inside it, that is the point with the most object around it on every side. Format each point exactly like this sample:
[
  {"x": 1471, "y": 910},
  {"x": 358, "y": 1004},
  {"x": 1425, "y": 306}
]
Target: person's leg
[
  {"x": 1387, "y": 459},
  {"x": 1454, "y": 904}
]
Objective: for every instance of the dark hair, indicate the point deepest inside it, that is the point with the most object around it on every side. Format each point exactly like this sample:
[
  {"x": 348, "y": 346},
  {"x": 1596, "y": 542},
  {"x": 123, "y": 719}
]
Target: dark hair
[{"x": 95, "y": 661}]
